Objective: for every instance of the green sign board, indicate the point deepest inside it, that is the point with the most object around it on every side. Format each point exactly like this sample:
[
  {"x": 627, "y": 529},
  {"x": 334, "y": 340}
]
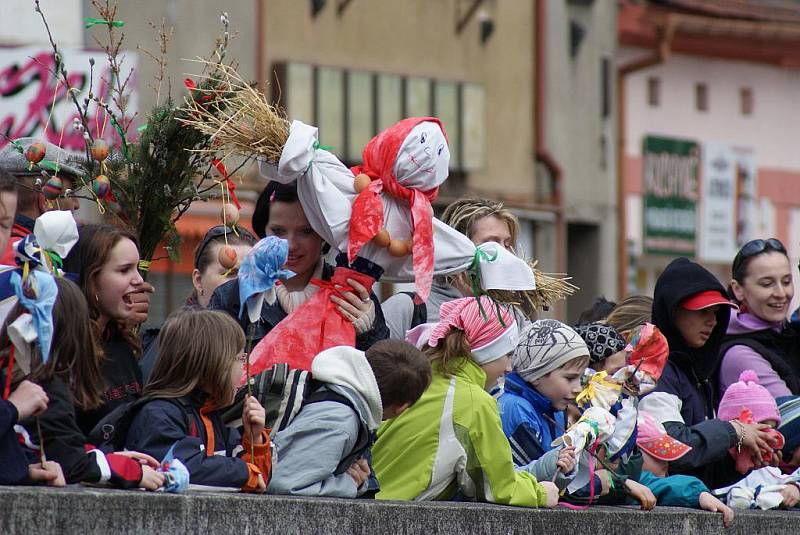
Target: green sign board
[{"x": 670, "y": 194}]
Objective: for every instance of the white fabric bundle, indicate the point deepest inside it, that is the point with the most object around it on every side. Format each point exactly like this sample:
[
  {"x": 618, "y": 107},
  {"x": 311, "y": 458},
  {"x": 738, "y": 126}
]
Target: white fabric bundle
[{"x": 326, "y": 190}]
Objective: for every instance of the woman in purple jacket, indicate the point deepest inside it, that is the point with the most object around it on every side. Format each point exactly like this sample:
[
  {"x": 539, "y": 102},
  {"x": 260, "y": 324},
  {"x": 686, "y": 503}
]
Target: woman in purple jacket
[{"x": 758, "y": 337}]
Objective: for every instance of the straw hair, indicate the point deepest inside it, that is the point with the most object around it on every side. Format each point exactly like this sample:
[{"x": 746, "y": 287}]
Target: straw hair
[
  {"x": 197, "y": 349},
  {"x": 240, "y": 121},
  {"x": 550, "y": 287}
]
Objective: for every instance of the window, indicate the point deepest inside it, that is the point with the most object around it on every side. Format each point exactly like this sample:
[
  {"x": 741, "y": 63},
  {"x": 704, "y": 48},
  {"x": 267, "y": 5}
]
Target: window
[
  {"x": 605, "y": 87},
  {"x": 746, "y": 100},
  {"x": 701, "y": 97},
  {"x": 653, "y": 92}
]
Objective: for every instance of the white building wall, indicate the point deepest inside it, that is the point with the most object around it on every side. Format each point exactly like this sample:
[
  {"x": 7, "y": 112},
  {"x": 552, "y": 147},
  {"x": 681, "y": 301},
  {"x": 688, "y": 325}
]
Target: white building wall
[
  {"x": 771, "y": 130},
  {"x": 21, "y": 25}
]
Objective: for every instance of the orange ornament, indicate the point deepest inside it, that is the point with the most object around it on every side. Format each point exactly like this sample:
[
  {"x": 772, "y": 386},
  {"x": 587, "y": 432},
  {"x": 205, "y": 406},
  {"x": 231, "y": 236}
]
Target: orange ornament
[
  {"x": 361, "y": 182},
  {"x": 227, "y": 256},
  {"x": 382, "y": 238},
  {"x": 398, "y": 248}
]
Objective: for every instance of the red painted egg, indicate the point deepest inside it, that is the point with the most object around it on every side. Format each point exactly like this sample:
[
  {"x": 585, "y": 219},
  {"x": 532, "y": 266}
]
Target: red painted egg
[{"x": 227, "y": 257}]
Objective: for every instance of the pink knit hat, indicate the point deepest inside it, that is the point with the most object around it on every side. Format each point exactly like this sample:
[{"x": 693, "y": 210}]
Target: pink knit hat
[
  {"x": 747, "y": 393},
  {"x": 490, "y": 330}
]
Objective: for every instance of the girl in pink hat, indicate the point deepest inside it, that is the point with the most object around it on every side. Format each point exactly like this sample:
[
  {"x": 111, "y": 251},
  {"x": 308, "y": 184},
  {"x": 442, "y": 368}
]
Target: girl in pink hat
[
  {"x": 658, "y": 450},
  {"x": 748, "y": 401}
]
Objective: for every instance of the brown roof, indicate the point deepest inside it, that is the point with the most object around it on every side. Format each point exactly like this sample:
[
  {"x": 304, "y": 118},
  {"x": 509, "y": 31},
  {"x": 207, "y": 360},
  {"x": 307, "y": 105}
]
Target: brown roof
[{"x": 760, "y": 10}]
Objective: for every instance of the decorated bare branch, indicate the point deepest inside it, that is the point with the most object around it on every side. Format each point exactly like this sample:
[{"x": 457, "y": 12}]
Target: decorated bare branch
[{"x": 162, "y": 39}]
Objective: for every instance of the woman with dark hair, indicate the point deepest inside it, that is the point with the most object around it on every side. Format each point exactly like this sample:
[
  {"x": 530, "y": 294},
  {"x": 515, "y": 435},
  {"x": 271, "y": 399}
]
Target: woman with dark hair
[
  {"x": 72, "y": 380},
  {"x": 757, "y": 336},
  {"x": 105, "y": 261},
  {"x": 279, "y": 213}
]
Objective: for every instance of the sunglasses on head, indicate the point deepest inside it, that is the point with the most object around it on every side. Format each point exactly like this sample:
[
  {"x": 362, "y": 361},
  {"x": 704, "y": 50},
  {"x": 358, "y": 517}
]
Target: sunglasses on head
[
  {"x": 217, "y": 232},
  {"x": 756, "y": 247}
]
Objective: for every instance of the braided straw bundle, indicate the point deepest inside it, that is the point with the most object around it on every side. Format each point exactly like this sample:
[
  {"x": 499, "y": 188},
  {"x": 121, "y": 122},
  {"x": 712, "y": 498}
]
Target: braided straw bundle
[{"x": 240, "y": 119}]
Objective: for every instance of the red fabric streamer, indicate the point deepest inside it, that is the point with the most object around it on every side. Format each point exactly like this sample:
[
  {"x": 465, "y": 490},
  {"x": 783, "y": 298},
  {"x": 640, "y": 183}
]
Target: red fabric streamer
[
  {"x": 220, "y": 167},
  {"x": 313, "y": 327},
  {"x": 379, "y": 158}
]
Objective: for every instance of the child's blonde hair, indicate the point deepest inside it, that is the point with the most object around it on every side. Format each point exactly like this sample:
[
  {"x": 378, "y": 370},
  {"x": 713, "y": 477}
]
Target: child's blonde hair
[{"x": 196, "y": 350}]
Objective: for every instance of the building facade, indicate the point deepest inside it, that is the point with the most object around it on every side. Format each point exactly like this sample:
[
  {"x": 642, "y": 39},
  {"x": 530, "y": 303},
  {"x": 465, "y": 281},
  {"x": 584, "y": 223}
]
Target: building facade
[
  {"x": 525, "y": 91},
  {"x": 708, "y": 139}
]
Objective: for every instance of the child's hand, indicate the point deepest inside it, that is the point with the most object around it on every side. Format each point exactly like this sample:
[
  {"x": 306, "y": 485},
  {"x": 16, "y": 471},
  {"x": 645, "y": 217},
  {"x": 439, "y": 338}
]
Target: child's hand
[
  {"x": 566, "y": 460},
  {"x": 710, "y": 503},
  {"x": 791, "y": 495},
  {"x": 254, "y": 418},
  {"x": 755, "y": 438},
  {"x": 359, "y": 471},
  {"x": 261, "y": 487},
  {"x": 605, "y": 481},
  {"x": 151, "y": 480},
  {"x": 29, "y": 399},
  {"x": 51, "y": 475},
  {"x": 552, "y": 494},
  {"x": 641, "y": 494}
]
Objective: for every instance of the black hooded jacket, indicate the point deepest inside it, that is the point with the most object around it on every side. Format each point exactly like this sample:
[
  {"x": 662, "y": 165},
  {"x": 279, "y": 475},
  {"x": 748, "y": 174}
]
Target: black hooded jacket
[{"x": 684, "y": 397}]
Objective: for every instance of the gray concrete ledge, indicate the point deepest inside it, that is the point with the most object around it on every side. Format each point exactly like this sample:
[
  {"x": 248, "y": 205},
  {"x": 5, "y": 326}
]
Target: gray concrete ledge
[{"x": 84, "y": 511}]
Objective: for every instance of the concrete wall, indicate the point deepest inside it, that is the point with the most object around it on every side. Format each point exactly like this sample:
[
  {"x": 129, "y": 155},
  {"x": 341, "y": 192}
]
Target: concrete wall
[{"x": 87, "y": 512}]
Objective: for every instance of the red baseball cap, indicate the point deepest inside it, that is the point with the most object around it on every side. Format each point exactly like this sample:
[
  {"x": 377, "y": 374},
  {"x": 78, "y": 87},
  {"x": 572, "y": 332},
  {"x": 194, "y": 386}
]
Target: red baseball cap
[{"x": 706, "y": 299}]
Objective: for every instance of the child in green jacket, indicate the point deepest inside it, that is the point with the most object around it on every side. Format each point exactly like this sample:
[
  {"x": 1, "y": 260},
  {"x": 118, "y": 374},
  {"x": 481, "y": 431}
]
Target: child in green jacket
[{"x": 450, "y": 444}]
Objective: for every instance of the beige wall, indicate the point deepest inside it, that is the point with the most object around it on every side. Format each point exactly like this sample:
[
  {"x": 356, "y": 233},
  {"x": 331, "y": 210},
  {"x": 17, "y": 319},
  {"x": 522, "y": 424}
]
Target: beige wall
[{"x": 417, "y": 37}]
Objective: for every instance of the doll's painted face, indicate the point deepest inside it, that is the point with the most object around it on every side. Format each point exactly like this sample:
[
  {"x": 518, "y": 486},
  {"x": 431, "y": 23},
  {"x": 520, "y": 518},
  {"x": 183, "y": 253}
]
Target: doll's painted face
[{"x": 424, "y": 158}]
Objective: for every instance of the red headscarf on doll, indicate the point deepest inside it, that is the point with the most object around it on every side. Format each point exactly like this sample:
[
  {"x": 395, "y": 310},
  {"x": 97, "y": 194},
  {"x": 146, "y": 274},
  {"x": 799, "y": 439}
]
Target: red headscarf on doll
[
  {"x": 379, "y": 158},
  {"x": 650, "y": 348}
]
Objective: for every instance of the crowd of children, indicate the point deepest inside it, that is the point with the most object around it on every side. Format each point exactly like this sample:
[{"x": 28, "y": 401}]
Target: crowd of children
[{"x": 686, "y": 399}]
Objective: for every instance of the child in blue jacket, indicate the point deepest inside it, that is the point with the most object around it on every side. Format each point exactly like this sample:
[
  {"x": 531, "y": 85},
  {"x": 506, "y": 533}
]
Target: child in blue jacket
[{"x": 658, "y": 450}]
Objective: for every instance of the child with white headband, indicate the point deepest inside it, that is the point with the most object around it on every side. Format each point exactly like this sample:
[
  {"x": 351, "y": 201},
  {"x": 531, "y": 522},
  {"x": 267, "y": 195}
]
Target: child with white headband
[{"x": 450, "y": 444}]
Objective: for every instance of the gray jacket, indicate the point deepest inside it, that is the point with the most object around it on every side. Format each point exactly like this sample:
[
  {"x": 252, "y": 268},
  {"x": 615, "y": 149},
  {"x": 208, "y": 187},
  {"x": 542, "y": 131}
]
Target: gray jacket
[{"x": 309, "y": 450}]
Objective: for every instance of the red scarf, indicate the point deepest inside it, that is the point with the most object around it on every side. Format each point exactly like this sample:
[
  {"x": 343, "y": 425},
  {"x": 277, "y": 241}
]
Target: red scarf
[{"x": 379, "y": 158}]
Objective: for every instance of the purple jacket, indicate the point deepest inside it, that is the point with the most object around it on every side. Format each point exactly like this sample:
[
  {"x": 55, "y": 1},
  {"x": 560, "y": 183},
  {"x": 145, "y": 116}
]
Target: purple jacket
[{"x": 739, "y": 357}]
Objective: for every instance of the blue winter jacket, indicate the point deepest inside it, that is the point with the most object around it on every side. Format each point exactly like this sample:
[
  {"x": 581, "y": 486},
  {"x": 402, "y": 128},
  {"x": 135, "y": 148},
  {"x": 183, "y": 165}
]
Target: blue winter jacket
[
  {"x": 529, "y": 420},
  {"x": 162, "y": 423},
  {"x": 13, "y": 459}
]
